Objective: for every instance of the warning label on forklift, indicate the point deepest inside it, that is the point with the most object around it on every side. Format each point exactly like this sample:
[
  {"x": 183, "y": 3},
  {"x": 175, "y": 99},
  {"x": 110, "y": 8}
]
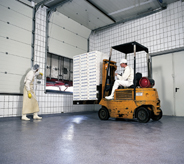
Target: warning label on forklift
[{"x": 139, "y": 94}]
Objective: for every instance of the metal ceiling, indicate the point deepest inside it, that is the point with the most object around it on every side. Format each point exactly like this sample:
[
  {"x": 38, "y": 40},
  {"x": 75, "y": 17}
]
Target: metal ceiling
[{"x": 95, "y": 14}]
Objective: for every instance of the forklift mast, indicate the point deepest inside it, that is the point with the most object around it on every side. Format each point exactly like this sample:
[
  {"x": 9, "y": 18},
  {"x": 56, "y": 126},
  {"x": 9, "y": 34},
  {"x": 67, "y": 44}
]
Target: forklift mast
[{"x": 108, "y": 76}]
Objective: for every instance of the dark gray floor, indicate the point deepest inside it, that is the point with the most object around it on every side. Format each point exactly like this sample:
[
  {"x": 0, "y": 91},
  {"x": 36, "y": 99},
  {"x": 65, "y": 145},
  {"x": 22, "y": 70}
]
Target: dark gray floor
[{"x": 81, "y": 138}]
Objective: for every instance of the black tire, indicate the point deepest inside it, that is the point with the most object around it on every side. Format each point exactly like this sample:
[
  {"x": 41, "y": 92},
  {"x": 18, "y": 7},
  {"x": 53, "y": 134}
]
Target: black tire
[
  {"x": 157, "y": 117},
  {"x": 143, "y": 115},
  {"x": 103, "y": 113}
]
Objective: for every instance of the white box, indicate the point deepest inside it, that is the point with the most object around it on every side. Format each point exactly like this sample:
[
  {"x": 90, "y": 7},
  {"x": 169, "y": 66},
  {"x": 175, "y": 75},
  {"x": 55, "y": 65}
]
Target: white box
[
  {"x": 92, "y": 82},
  {"x": 92, "y": 85},
  {"x": 92, "y": 75},
  {"x": 84, "y": 74},
  {"x": 84, "y": 96},
  {"x": 76, "y": 71},
  {"x": 84, "y": 92},
  {"x": 92, "y": 89},
  {"x": 76, "y": 84},
  {"x": 83, "y": 55},
  {"x": 92, "y": 98},
  {"x": 84, "y": 78},
  {"x": 84, "y": 83},
  {"x": 84, "y": 65},
  {"x": 84, "y": 69},
  {"x": 85, "y": 89},
  {"x": 76, "y": 78},
  {"x": 76, "y": 66},
  {"x": 76, "y": 74},
  {"x": 76, "y": 89},
  {"x": 76, "y": 99}
]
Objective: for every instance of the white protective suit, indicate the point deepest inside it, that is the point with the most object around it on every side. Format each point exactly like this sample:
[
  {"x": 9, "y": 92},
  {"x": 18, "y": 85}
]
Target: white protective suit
[
  {"x": 126, "y": 80},
  {"x": 30, "y": 105}
]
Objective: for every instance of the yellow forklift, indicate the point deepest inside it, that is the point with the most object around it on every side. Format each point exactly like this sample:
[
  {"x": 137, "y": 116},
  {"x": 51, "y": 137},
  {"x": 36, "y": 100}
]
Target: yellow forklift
[{"x": 139, "y": 101}]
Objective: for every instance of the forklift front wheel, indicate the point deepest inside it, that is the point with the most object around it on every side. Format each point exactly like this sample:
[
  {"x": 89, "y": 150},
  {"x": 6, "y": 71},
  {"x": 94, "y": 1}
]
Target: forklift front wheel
[
  {"x": 143, "y": 115},
  {"x": 103, "y": 113}
]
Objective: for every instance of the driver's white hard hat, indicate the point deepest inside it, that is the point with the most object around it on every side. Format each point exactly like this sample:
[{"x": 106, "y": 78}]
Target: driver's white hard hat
[{"x": 123, "y": 61}]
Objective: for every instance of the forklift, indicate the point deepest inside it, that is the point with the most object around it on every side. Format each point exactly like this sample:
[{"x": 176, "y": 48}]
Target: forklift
[{"x": 139, "y": 101}]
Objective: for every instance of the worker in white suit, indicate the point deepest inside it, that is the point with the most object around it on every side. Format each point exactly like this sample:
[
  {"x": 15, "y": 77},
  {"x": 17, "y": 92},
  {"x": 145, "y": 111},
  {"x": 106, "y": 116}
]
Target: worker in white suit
[
  {"x": 125, "y": 80},
  {"x": 30, "y": 104}
]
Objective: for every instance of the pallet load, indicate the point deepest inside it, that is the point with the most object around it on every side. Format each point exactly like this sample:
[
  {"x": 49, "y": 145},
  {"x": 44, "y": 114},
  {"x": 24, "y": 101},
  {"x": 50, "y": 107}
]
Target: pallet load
[{"x": 87, "y": 75}]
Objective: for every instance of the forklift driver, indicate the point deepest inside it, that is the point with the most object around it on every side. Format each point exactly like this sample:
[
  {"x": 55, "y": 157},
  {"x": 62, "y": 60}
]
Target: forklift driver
[{"x": 126, "y": 80}]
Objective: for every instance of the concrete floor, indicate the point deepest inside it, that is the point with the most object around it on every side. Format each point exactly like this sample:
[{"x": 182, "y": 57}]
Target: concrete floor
[{"x": 81, "y": 138}]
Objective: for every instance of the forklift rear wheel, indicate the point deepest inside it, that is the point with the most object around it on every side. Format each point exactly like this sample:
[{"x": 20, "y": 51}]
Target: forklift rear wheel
[
  {"x": 103, "y": 113},
  {"x": 155, "y": 117},
  {"x": 143, "y": 115}
]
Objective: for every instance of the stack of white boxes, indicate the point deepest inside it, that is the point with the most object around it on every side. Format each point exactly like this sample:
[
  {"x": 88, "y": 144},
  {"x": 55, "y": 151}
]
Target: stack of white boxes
[
  {"x": 87, "y": 75},
  {"x": 76, "y": 77},
  {"x": 84, "y": 76}
]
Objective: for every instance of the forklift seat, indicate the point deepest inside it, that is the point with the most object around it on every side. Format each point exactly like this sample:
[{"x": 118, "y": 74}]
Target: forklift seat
[{"x": 122, "y": 87}]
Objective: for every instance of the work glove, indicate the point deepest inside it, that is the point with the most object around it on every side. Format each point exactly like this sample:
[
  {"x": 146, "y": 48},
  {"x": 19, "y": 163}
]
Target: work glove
[
  {"x": 29, "y": 94},
  {"x": 41, "y": 73}
]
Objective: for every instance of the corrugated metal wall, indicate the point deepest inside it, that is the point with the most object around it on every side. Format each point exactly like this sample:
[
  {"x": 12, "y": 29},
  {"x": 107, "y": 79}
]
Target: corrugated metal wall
[
  {"x": 15, "y": 45},
  {"x": 67, "y": 37}
]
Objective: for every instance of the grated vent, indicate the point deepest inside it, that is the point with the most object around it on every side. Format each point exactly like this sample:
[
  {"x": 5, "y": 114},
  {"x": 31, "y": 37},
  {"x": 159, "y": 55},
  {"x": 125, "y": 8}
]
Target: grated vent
[{"x": 122, "y": 95}]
